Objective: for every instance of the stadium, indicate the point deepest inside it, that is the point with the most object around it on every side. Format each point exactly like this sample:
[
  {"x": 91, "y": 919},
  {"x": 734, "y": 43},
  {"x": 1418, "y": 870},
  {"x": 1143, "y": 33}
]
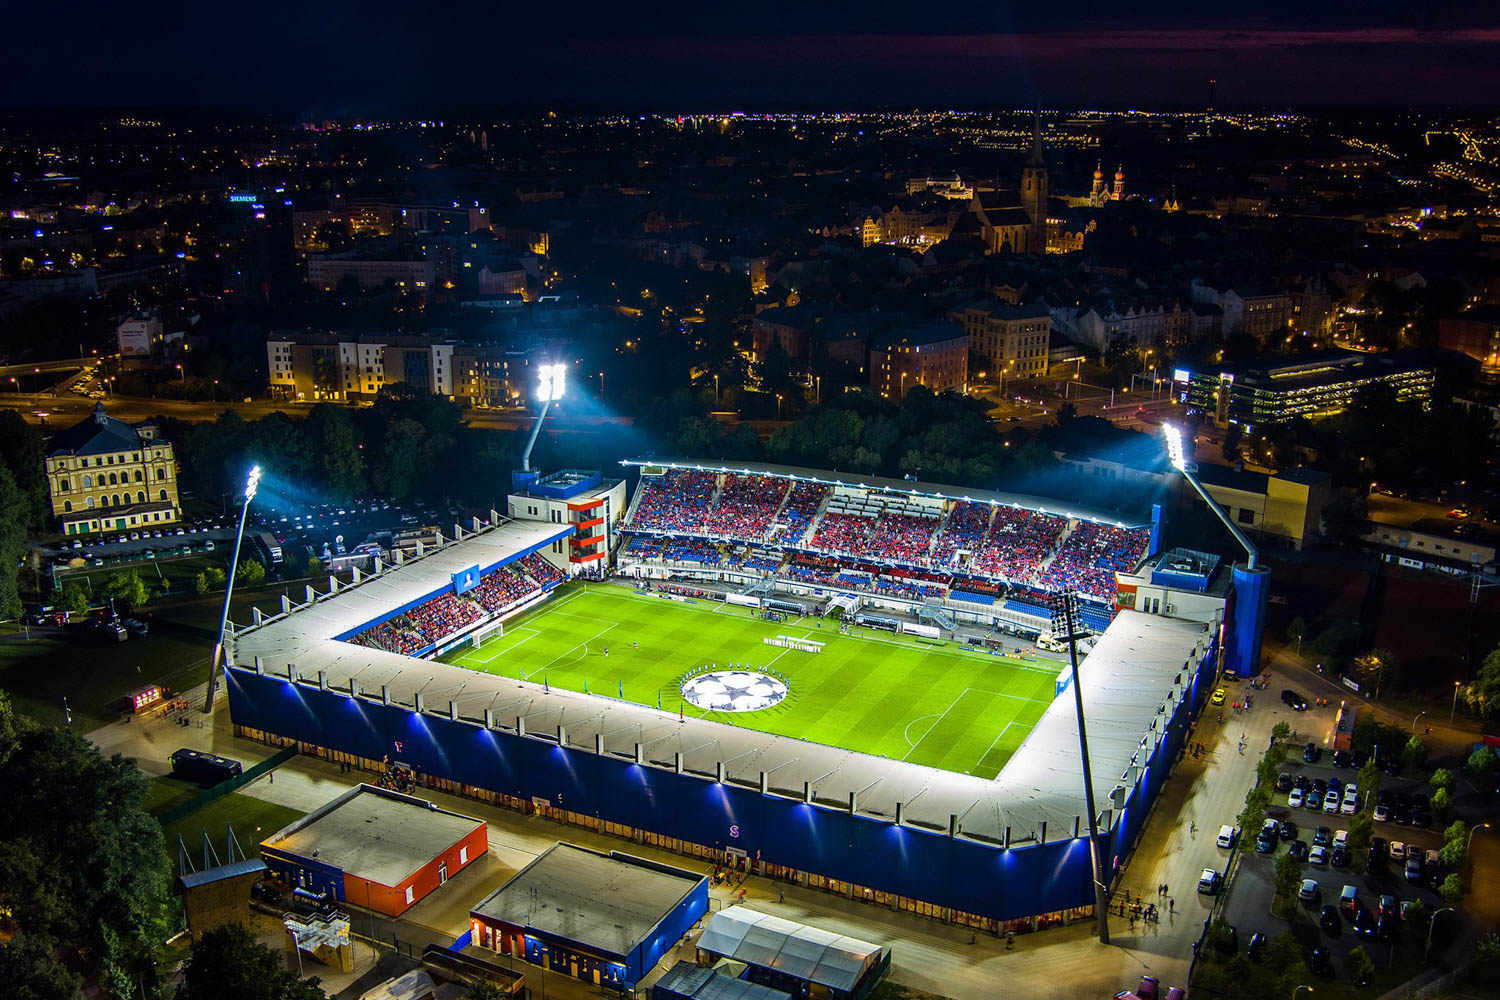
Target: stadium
[{"x": 839, "y": 681}]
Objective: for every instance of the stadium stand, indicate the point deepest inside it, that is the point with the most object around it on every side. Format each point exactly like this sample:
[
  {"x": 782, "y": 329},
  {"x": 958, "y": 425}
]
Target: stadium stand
[
  {"x": 1018, "y": 542},
  {"x": 745, "y": 507},
  {"x": 539, "y": 569},
  {"x": 422, "y": 625},
  {"x": 503, "y": 589},
  {"x": 798, "y": 512},
  {"x": 676, "y": 501},
  {"x": 963, "y": 531},
  {"x": 1090, "y": 555}
]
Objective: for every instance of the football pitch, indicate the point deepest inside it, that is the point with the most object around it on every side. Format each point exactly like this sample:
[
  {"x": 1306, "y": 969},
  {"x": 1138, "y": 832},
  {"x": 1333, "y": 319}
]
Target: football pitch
[{"x": 939, "y": 705}]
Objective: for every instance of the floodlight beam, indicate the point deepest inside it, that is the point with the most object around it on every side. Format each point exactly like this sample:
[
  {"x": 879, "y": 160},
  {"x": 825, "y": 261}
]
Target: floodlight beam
[{"x": 553, "y": 379}]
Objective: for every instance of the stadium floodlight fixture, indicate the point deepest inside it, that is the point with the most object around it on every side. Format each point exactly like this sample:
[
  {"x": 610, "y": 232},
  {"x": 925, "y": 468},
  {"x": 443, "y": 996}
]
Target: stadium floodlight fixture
[
  {"x": 1176, "y": 453},
  {"x": 252, "y": 486},
  {"x": 554, "y": 379}
]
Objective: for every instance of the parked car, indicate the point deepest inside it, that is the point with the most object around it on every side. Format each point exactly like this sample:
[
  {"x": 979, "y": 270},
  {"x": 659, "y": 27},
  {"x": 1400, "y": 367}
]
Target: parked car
[
  {"x": 1318, "y": 961},
  {"x": 1218, "y": 697},
  {"x": 1342, "y": 758},
  {"x": 1284, "y": 781},
  {"x": 1208, "y": 882},
  {"x": 1257, "y": 946},
  {"x": 1147, "y": 988},
  {"x": 1313, "y": 799},
  {"x": 1318, "y": 855},
  {"x": 1288, "y": 830},
  {"x": 135, "y": 626},
  {"x": 1339, "y": 858},
  {"x": 1322, "y": 836},
  {"x": 1329, "y": 920},
  {"x": 1331, "y": 804},
  {"x": 1311, "y": 753},
  {"x": 1295, "y": 798},
  {"x": 1226, "y": 836},
  {"x": 1397, "y": 851},
  {"x": 1298, "y": 849},
  {"x": 1309, "y": 893},
  {"x": 1349, "y": 899},
  {"x": 1414, "y": 870},
  {"x": 1293, "y": 700}
]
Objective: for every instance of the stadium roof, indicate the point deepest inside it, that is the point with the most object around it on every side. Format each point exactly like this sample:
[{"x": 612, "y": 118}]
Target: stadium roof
[
  {"x": 905, "y": 487},
  {"x": 1133, "y": 670},
  {"x": 374, "y": 834},
  {"x": 608, "y": 901}
]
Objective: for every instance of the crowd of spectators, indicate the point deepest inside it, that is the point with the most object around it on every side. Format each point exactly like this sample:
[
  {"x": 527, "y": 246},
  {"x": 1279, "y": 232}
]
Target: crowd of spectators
[
  {"x": 1018, "y": 542},
  {"x": 903, "y": 538},
  {"x": 423, "y": 625},
  {"x": 965, "y": 529},
  {"x": 846, "y": 533},
  {"x": 539, "y": 569},
  {"x": 745, "y": 507},
  {"x": 801, "y": 506},
  {"x": 502, "y": 589},
  {"x": 675, "y": 501},
  {"x": 1091, "y": 555}
]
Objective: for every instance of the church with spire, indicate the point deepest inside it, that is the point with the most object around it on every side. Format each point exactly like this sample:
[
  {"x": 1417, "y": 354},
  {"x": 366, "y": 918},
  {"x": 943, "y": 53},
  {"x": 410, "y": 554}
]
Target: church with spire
[{"x": 1012, "y": 221}]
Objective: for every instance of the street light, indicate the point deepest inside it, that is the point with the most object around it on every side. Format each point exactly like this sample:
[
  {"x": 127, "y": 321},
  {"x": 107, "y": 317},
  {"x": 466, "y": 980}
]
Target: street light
[
  {"x": 1451, "y": 711},
  {"x": 1414, "y": 721},
  {"x": 252, "y": 483},
  {"x": 1300, "y": 989},
  {"x": 1473, "y": 830},
  {"x": 553, "y": 382},
  {"x": 1430, "y": 925}
]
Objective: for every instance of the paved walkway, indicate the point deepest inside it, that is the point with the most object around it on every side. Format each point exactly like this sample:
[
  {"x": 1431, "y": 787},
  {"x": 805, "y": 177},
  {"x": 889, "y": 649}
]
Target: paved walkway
[{"x": 926, "y": 954}]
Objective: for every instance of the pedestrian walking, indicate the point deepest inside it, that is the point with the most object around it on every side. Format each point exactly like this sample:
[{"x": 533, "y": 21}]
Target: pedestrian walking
[
  {"x": 1010, "y": 940},
  {"x": 1171, "y": 906},
  {"x": 781, "y": 895},
  {"x": 272, "y": 776}
]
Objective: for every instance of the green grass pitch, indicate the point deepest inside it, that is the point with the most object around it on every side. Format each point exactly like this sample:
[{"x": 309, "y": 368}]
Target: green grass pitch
[{"x": 939, "y": 705}]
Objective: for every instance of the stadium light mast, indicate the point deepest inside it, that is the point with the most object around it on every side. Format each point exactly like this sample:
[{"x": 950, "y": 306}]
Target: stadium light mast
[
  {"x": 553, "y": 379},
  {"x": 1065, "y": 613},
  {"x": 252, "y": 483},
  {"x": 1177, "y": 455}
]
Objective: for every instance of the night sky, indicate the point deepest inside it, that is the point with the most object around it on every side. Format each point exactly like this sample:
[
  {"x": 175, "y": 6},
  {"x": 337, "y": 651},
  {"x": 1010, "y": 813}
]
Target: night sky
[{"x": 329, "y": 58}]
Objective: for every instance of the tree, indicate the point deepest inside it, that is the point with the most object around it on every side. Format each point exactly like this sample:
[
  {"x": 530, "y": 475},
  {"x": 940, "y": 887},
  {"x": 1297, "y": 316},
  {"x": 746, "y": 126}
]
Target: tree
[
  {"x": 127, "y": 588},
  {"x": 1482, "y": 761},
  {"x": 483, "y": 989},
  {"x": 1414, "y": 754},
  {"x": 200, "y": 582},
  {"x": 73, "y": 599},
  {"x": 1359, "y": 966},
  {"x": 1361, "y": 829},
  {"x": 1369, "y": 782},
  {"x": 1452, "y": 888},
  {"x": 1442, "y": 804},
  {"x": 1454, "y": 852},
  {"x": 30, "y": 970},
  {"x": 1253, "y": 816},
  {"x": 250, "y": 572},
  {"x": 1375, "y": 669},
  {"x": 15, "y": 514},
  {"x": 1484, "y": 694},
  {"x": 1288, "y": 878},
  {"x": 314, "y": 567},
  {"x": 228, "y": 963},
  {"x": 1279, "y": 733},
  {"x": 1442, "y": 778},
  {"x": 82, "y": 864}
]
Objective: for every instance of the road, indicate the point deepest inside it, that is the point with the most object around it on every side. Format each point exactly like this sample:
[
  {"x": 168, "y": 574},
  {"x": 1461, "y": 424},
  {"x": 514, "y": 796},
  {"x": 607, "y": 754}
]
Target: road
[{"x": 64, "y": 409}]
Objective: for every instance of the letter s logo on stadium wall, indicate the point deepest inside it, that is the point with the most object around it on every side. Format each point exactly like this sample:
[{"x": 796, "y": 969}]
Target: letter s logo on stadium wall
[{"x": 734, "y": 831}]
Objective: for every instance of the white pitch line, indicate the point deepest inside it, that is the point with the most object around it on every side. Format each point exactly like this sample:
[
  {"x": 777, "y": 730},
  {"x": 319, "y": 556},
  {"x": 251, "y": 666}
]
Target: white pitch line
[
  {"x": 997, "y": 739},
  {"x": 936, "y": 724},
  {"x": 532, "y": 634},
  {"x": 584, "y": 645},
  {"x": 787, "y": 649}
]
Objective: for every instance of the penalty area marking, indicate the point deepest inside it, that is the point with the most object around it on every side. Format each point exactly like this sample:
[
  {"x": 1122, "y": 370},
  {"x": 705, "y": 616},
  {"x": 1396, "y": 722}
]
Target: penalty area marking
[
  {"x": 501, "y": 650},
  {"x": 906, "y": 734},
  {"x": 995, "y": 741}
]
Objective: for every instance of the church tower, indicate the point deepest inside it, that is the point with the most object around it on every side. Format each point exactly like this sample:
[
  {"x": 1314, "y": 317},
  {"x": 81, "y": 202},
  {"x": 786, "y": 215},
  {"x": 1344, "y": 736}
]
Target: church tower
[
  {"x": 1034, "y": 191},
  {"x": 1119, "y": 192},
  {"x": 1097, "y": 196}
]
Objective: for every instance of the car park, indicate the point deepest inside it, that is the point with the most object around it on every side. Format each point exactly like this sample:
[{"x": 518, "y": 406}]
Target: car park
[{"x": 1309, "y": 893}]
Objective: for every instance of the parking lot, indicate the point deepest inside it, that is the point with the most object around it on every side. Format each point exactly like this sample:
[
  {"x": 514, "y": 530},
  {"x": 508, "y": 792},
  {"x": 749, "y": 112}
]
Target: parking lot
[{"x": 1249, "y": 905}]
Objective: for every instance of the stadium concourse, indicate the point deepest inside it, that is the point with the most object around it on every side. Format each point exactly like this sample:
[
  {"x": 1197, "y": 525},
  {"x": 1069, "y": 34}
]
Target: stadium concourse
[
  {"x": 790, "y": 527},
  {"x": 1008, "y": 853}
]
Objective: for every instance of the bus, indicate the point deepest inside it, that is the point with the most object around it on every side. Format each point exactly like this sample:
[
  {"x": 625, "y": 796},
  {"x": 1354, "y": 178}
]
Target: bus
[
  {"x": 269, "y": 546},
  {"x": 204, "y": 768}
]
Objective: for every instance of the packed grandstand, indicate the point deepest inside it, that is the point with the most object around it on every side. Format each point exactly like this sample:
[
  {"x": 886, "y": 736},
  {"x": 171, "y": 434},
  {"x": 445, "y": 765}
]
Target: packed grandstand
[
  {"x": 901, "y": 543},
  {"x": 419, "y": 628}
]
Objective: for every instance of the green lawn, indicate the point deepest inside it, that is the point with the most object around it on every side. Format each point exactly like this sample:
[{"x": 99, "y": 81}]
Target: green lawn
[
  {"x": 942, "y": 706},
  {"x": 253, "y": 820}
]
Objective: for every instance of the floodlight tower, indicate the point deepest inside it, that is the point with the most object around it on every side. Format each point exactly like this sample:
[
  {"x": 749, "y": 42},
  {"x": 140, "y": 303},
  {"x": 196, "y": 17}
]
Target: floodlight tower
[
  {"x": 1065, "y": 614},
  {"x": 1252, "y": 582},
  {"x": 252, "y": 483},
  {"x": 553, "y": 379}
]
